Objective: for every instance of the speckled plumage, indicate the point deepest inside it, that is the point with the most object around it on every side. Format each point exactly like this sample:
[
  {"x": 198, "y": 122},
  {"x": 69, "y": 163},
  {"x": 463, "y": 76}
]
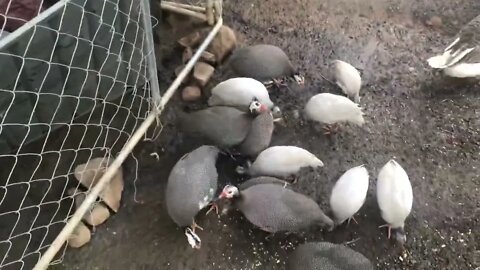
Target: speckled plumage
[
  {"x": 274, "y": 208},
  {"x": 223, "y": 126},
  {"x": 259, "y": 135},
  {"x": 327, "y": 256},
  {"x": 261, "y": 62},
  {"x": 192, "y": 184}
]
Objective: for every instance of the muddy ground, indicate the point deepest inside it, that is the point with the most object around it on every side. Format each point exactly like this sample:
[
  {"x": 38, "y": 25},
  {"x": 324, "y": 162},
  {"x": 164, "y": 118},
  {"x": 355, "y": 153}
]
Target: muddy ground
[{"x": 429, "y": 124}]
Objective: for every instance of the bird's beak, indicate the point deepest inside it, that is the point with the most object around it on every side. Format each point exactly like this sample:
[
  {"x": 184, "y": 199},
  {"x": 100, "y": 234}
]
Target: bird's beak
[{"x": 222, "y": 195}]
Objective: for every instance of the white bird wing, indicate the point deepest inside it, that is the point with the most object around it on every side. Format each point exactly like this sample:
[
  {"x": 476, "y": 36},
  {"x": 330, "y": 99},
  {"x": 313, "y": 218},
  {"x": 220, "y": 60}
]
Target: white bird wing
[
  {"x": 349, "y": 193},
  {"x": 394, "y": 194},
  {"x": 329, "y": 109},
  {"x": 239, "y": 92}
]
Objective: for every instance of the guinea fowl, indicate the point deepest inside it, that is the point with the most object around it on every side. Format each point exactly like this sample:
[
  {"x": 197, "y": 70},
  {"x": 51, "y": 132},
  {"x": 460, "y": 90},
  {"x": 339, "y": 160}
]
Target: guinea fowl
[
  {"x": 239, "y": 92},
  {"x": 259, "y": 135},
  {"x": 274, "y": 208},
  {"x": 265, "y": 63},
  {"x": 224, "y": 127},
  {"x": 191, "y": 186},
  {"x": 349, "y": 194},
  {"x": 462, "y": 57},
  {"x": 395, "y": 198},
  {"x": 348, "y": 79},
  {"x": 327, "y": 256},
  {"x": 281, "y": 161},
  {"x": 331, "y": 109},
  {"x": 262, "y": 180}
]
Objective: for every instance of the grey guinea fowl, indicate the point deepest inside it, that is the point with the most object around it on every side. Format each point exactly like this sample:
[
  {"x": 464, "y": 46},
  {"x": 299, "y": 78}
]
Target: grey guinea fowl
[
  {"x": 327, "y": 256},
  {"x": 262, "y": 180},
  {"x": 462, "y": 57},
  {"x": 223, "y": 126},
  {"x": 191, "y": 186},
  {"x": 274, "y": 208},
  {"x": 264, "y": 62},
  {"x": 259, "y": 135}
]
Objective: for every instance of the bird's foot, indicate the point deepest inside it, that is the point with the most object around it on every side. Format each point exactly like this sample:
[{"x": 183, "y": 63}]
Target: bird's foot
[
  {"x": 389, "y": 229},
  {"x": 331, "y": 129},
  {"x": 194, "y": 226},
  {"x": 351, "y": 218},
  {"x": 213, "y": 205}
]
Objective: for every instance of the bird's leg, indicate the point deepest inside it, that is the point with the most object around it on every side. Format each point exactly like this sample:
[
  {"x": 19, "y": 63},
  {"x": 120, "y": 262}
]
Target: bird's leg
[
  {"x": 279, "y": 82},
  {"x": 389, "y": 229},
  {"x": 213, "y": 205},
  {"x": 351, "y": 218},
  {"x": 194, "y": 226},
  {"x": 331, "y": 129}
]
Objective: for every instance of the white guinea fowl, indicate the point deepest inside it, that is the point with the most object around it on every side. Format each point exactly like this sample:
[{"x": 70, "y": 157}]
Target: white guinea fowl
[
  {"x": 462, "y": 57},
  {"x": 395, "y": 198},
  {"x": 239, "y": 92},
  {"x": 281, "y": 161},
  {"x": 331, "y": 109},
  {"x": 348, "y": 79},
  {"x": 349, "y": 194}
]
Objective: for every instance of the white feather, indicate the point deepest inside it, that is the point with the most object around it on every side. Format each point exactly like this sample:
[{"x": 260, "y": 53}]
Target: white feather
[
  {"x": 394, "y": 194},
  {"x": 348, "y": 79},
  {"x": 328, "y": 108},
  {"x": 283, "y": 161},
  {"x": 239, "y": 92},
  {"x": 463, "y": 70},
  {"x": 349, "y": 193}
]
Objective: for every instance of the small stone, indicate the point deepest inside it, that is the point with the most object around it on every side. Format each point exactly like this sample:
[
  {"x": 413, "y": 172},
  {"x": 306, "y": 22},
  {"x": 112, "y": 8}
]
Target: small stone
[
  {"x": 80, "y": 236},
  {"x": 208, "y": 57},
  {"x": 435, "y": 21},
  {"x": 191, "y": 93},
  {"x": 223, "y": 43},
  {"x": 202, "y": 72},
  {"x": 190, "y": 40},
  {"x": 187, "y": 54}
]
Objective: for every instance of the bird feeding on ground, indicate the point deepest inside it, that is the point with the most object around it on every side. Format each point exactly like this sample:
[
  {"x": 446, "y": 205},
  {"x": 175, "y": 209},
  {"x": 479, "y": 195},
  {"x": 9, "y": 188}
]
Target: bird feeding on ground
[
  {"x": 348, "y": 79},
  {"x": 281, "y": 161},
  {"x": 191, "y": 186},
  {"x": 395, "y": 198},
  {"x": 331, "y": 109},
  {"x": 266, "y": 63},
  {"x": 223, "y": 126},
  {"x": 461, "y": 58},
  {"x": 274, "y": 208},
  {"x": 349, "y": 194},
  {"x": 239, "y": 92}
]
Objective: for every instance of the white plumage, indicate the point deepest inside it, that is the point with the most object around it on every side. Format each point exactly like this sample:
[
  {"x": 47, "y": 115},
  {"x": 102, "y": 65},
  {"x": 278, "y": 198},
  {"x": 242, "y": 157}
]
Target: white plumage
[
  {"x": 239, "y": 92},
  {"x": 348, "y": 79},
  {"x": 283, "y": 161},
  {"x": 329, "y": 109},
  {"x": 394, "y": 194},
  {"x": 461, "y": 58},
  {"x": 349, "y": 193}
]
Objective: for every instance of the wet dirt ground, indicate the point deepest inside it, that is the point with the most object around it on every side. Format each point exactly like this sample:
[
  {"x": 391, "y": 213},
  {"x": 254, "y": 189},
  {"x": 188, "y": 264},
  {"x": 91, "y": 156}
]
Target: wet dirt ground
[{"x": 429, "y": 124}]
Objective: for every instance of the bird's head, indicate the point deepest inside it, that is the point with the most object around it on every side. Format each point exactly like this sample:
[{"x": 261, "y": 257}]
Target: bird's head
[
  {"x": 256, "y": 107},
  {"x": 400, "y": 236},
  {"x": 229, "y": 192}
]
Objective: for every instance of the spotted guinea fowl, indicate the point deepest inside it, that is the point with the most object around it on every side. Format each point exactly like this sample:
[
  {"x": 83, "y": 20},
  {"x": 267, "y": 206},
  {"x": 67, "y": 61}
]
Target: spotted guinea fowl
[
  {"x": 265, "y": 63},
  {"x": 327, "y": 256},
  {"x": 349, "y": 194},
  {"x": 348, "y": 79},
  {"x": 281, "y": 161},
  {"x": 395, "y": 198},
  {"x": 259, "y": 135},
  {"x": 192, "y": 184},
  {"x": 273, "y": 208},
  {"x": 462, "y": 57},
  {"x": 223, "y": 126},
  {"x": 239, "y": 92},
  {"x": 330, "y": 109}
]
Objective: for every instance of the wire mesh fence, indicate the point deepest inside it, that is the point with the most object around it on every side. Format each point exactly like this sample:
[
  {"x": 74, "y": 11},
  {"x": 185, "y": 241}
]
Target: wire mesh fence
[{"x": 77, "y": 81}]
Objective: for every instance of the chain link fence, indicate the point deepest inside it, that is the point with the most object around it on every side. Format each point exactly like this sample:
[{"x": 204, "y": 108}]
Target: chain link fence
[{"x": 78, "y": 77}]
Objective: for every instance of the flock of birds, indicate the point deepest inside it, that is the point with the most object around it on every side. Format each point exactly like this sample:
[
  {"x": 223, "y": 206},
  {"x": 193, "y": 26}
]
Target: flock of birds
[{"x": 240, "y": 121}]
